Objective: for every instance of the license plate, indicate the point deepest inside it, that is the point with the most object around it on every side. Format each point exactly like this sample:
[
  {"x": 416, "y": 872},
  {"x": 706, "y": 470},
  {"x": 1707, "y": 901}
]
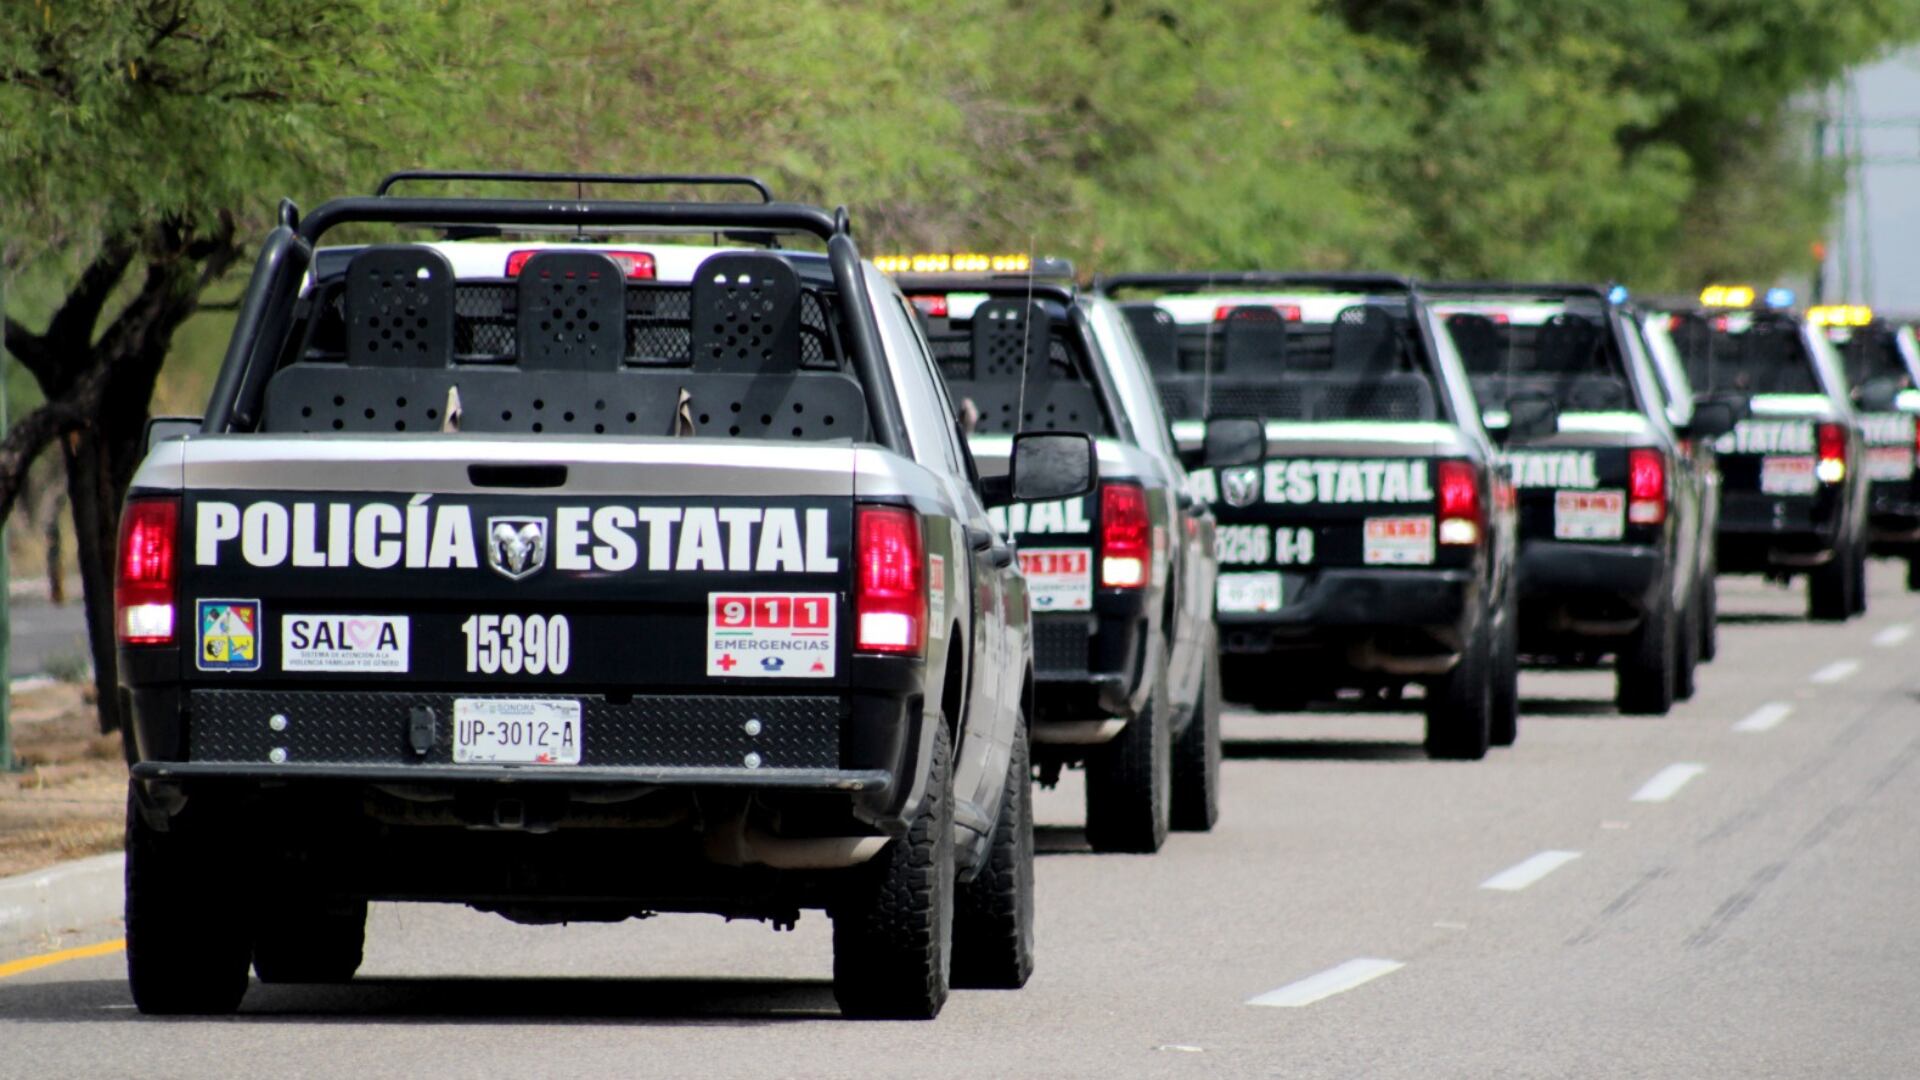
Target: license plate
[
  {"x": 1787, "y": 476},
  {"x": 1248, "y": 593},
  {"x": 1398, "y": 541},
  {"x": 516, "y": 731},
  {"x": 1889, "y": 463},
  {"x": 1589, "y": 515},
  {"x": 1058, "y": 579}
]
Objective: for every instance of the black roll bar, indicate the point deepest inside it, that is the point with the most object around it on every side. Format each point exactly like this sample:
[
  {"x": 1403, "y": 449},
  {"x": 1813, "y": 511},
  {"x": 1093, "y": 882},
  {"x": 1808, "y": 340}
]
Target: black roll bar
[
  {"x": 264, "y": 313},
  {"x": 1518, "y": 288},
  {"x": 567, "y": 213},
  {"x": 1196, "y": 280},
  {"x": 849, "y": 279},
  {"x": 388, "y": 182}
]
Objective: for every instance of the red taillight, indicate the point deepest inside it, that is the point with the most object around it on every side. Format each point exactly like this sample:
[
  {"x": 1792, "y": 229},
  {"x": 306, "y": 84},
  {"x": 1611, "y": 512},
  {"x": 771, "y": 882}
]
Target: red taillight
[
  {"x": 1462, "y": 519},
  {"x": 890, "y": 592},
  {"x": 933, "y": 307},
  {"x": 143, "y": 590},
  {"x": 1646, "y": 487},
  {"x": 1126, "y": 536},
  {"x": 634, "y": 264},
  {"x": 1832, "y": 467},
  {"x": 1284, "y": 312}
]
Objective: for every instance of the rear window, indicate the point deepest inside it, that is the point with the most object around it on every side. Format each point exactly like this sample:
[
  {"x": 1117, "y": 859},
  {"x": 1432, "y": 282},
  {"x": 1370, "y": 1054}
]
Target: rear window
[
  {"x": 1310, "y": 358},
  {"x": 1871, "y": 355},
  {"x": 1744, "y": 354},
  {"x": 1563, "y": 351},
  {"x": 1014, "y": 364}
]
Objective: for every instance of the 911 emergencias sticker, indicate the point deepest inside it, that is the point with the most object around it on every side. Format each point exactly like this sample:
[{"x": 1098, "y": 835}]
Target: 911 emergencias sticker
[
  {"x": 770, "y": 635},
  {"x": 1058, "y": 579}
]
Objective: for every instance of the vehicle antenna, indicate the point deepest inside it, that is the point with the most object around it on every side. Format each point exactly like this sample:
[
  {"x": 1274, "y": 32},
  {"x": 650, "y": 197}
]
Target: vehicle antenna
[
  {"x": 1026, "y": 347},
  {"x": 1206, "y": 359}
]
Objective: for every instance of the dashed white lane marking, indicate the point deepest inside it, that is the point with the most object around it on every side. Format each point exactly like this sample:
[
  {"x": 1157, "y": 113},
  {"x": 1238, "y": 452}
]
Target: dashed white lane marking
[
  {"x": 1519, "y": 876},
  {"x": 1893, "y": 635},
  {"x": 1835, "y": 671},
  {"x": 1765, "y": 718},
  {"x": 1334, "y": 980},
  {"x": 1667, "y": 781}
]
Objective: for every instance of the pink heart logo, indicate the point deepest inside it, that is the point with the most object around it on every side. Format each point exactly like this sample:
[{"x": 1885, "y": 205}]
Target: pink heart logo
[{"x": 361, "y": 633}]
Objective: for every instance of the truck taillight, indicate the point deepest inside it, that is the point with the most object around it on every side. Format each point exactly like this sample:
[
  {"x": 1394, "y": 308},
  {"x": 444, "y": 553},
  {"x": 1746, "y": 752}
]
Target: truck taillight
[
  {"x": 1286, "y": 312},
  {"x": 143, "y": 589},
  {"x": 1126, "y": 536},
  {"x": 1646, "y": 487},
  {"x": 1832, "y": 467},
  {"x": 636, "y": 265},
  {"x": 1462, "y": 518},
  {"x": 890, "y": 588}
]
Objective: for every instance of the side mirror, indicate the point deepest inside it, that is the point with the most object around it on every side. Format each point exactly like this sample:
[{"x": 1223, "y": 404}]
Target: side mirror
[
  {"x": 1712, "y": 419},
  {"x": 1740, "y": 405},
  {"x": 1046, "y": 465},
  {"x": 1232, "y": 440},
  {"x": 1878, "y": 395},
  {"x": 162, "y": 428},
  {"x": 1529, "y": 416}
]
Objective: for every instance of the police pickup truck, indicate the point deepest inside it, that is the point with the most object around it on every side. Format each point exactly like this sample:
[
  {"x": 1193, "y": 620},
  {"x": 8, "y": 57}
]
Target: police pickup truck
[
  {"x": 576, "y": 579},
  {"x": 1122, "y": 581},
  {"x": 1612, "y": 556},
  {"x": 1372, "y": 549},
  {"x": 1882, "y": 362},
  {"x": 1794, "y": 498}
]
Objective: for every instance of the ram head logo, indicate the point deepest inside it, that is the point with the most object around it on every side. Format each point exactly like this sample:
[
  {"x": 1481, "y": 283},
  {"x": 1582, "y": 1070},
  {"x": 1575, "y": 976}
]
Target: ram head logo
[
  {"x": 1240, "y": 486},
  {"x": 517, "y": 546}
]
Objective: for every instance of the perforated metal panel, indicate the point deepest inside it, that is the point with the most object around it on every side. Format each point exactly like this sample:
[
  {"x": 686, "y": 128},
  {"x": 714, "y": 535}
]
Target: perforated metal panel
[
  {"x": 1009, "y": 336},
  {"x": 399, "y": 307},
  {"x": 371, "y": 728},
  {"x": 1254, "y": 341},
  {"x": 1061, "y": 643},
  {"x": 573, "y": 311},
  {"x": 746, "y": 314}
]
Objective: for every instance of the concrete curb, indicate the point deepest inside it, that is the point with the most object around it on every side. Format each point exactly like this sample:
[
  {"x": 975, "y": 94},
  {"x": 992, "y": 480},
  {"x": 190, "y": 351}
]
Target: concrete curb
[{"x": 75, "y": 896}]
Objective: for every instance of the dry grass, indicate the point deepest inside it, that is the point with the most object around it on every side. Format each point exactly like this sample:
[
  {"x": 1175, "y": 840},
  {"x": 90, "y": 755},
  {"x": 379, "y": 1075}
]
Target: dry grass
[{"x": 69, "y": 798}]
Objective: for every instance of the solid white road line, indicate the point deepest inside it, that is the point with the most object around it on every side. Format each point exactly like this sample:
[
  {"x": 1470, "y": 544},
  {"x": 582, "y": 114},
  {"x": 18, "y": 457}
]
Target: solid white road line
[
  {"x": 1765, "y": 718},
  {"x": 1835, "y": 671},
  {"x": 1667, "y": 781},
  {"x": 1893, "y": 635},
  {"x": 1334, "y": 980},
  {"x": 1517, "y": 877}
]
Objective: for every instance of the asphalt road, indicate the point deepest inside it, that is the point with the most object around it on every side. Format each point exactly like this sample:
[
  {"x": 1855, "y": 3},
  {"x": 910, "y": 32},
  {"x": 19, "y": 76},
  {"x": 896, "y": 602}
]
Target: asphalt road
[{"x": 1733, "y": 897}]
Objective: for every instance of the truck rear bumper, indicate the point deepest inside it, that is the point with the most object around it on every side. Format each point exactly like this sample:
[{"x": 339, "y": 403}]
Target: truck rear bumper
[
  {"x": 1360, "y": 598},
  {"x": 1087, "y": 668},
  {"x": 1577, "y": 589}
]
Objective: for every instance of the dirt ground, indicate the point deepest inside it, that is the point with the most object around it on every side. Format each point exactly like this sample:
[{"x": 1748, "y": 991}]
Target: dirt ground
[{"x": 69, "y": 797}]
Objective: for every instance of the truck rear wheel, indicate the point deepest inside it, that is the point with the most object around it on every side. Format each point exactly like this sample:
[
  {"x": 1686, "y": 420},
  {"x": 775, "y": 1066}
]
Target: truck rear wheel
[
  {"x": 1505, "y": 722},
  {"x": 1913, "y": 573},
  {"x": 187, "y": 941},
  {"x": 1196, "y": 757},
  {"x": 1710, "y": 617},
  {"x": 1128, "y": 778},
  {"x": 1645, "y": 666},
  {"x": 993, "y": 914},
  {"x": 1687, "y": 640},
  {"x": 893, "y": 926},
  {"x": 1830, "y": 588},
  {"x": 298, "y": 942},
  {"x": 1460, "y": 703}
]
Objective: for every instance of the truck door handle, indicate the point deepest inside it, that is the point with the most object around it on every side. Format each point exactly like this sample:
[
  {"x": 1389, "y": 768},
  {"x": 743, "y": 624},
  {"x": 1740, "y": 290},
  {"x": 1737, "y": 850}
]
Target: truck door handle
[
  {"x": 979, "y": 539},
  {"x": 1002, "y": 555}
]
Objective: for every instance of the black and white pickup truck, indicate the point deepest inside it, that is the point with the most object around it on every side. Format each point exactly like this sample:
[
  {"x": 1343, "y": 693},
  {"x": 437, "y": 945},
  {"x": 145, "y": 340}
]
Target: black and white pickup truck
[
  {"x": 1794, "y": 496},
  {"x": 576, "y": 579},
  {"x": 1372, "y": 549},
  {"x": 1882, "y": 365},
  {"x": 1613, "y": 554},
  {"x": 1126, "y": 682}
]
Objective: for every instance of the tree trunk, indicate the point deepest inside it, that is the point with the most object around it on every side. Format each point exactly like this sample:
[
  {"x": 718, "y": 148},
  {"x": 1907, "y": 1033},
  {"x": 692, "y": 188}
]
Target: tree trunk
[{"x": 96, "y": 524}]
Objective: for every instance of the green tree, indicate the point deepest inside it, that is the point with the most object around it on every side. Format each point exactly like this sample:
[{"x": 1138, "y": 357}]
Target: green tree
[{"x": 141, "y": 143}]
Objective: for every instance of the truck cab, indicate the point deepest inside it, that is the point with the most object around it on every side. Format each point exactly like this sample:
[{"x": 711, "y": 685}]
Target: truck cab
[{"x": 1882, "y": 363}]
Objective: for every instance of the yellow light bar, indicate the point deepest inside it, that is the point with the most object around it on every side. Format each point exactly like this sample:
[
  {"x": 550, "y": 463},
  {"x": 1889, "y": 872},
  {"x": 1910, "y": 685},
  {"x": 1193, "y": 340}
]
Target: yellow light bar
[
  {"x": 953, "y": 263},
  {"x": 1840, "y": 315},
  {"x": 1727, "y": 296}
]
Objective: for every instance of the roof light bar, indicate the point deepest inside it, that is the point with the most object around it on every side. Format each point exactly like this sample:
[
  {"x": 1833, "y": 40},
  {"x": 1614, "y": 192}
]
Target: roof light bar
[
  {"x": 1729, "y": 296},
  {"x": 1840, "y": 315}
]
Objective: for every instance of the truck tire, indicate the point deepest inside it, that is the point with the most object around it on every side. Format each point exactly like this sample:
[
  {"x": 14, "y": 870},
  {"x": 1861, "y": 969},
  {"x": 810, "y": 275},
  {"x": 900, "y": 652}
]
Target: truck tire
[
  {"x": 1913, "y": 573},
  {"x": 309, "y": 942},
  {"x": 1860, "y": 582},
  {"x": 1644, "y": 667},
  {"x": 1196, "y": 757},
  {"x": 1687, "y": 640},
  {"x": 993, "y": 914},
  {"x": 893, "y": 926},
  {"x": 1128, "y": 808},
  {"x": 1460, "y": 703},
  {"x": 1710, "y": 617},
  {"x": 1830, "y": 588},
  {"x": 187, "y": 940},
  {"x": 1504, "y": 724}
]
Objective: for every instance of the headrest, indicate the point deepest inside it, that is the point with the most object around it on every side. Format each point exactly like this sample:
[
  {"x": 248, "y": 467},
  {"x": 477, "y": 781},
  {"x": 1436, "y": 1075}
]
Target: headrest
[
  {"x": 1478, "y": 340},
  {"x": 1365, "y": 339},
  {"x": 399, "y": 307},
  {"x": 1008, "y": 332},
  {"x": 1566, "y": 345},
  {"x": 1254, "y": 341},
  {"x": 746, "y": 314},
  {"x": 572, "y": 312}
]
